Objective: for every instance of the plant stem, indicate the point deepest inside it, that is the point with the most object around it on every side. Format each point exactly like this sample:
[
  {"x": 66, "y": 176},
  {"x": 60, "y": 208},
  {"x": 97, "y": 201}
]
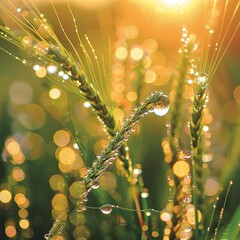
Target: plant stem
[{"x": 108, "y": 155}]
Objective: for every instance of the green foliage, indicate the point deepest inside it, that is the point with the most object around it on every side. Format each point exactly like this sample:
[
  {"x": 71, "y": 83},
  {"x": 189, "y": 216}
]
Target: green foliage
[{"x": 117, "y": 177}]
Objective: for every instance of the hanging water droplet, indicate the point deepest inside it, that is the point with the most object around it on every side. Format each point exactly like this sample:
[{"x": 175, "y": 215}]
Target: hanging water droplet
[
  {"x": 81, "y": 209},
  {"x": 84, "y": 208},
  {"x": 85, "y": 199},
  {"x": 161, "y": 108},
  {"x": 187, "y": 155},
  {"x": 106, "y": 208},
  {"x": 46, "y": 236},
  {"x": 95, "y": 185}
]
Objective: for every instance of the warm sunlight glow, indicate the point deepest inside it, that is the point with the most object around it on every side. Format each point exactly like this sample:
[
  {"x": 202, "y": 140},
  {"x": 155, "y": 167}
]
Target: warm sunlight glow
[{"x": 176, "y": 2}]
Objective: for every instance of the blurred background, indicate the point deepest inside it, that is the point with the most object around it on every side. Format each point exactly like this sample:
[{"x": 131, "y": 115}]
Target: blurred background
[{"x": 35, "y": 128}]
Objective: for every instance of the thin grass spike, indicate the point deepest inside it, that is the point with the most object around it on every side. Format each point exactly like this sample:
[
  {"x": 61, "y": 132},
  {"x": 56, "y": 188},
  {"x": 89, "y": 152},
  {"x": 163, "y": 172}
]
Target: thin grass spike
[{"x": 64, "y": 60}]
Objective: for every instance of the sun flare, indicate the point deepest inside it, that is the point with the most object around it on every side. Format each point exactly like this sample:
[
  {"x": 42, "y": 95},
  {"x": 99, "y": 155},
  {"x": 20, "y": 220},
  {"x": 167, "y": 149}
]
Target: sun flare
[{"x": 175, "y": 2}]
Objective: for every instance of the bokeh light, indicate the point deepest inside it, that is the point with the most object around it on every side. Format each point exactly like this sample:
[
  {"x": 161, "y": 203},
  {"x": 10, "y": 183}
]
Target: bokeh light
[
  {"x": 136, "y": 53},
  {"x": 181, "y": 168},
  {"x": 62, "y": 138},
  {"x": 18, "y": 174},
  {"x": 24, "y": 223},
  {"x": 20, "y": 93},
  {"x": 10, "y": 231},
  {"x": 12, "y": 146},
  {"x": 121, "y": 53},
  {"x": 212, "y": 187},
  {"x": 59, "y": 202},
  {"x": 32, "y": 116},
  {"x": 5, "y": 196},
  {"x": 55, "y": 93},
  {"x": 66, "y": 155},
  {"x": 76, "y": 189},
  {"x": 57, "y": 183},
  {"x": 130, "y": 32},
  {"x": 41, "y": 72},
  {"x": 166, "y": 216}
]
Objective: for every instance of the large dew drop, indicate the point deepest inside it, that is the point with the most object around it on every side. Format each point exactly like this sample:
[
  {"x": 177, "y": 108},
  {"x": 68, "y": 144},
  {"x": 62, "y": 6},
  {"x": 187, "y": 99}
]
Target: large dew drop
[
  {"x": 106, "y": 208},
  {"x": 95, "y": 185},
  {"x": 161, "y": 108}
]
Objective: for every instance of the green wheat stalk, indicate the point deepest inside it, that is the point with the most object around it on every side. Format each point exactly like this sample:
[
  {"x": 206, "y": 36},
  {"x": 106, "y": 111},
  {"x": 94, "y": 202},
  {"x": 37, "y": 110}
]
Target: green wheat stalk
[
  {"x": 201, "y": 83},
  {"x": 65, "y": 61},
  {"x": 156, "y": 100},
  {"x": 177, "y": 115},
  {"x": 109, "y": 154}
]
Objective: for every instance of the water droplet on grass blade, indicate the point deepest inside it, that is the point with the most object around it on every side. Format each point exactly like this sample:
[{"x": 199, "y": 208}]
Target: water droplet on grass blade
[
  {"x": 187, "y": 155},
  {"x": 95, "y": 185},
  {"x": 46, "y": 236},
  {"x": 106, "y": 208},
  {"x": 161, "y": 108}
]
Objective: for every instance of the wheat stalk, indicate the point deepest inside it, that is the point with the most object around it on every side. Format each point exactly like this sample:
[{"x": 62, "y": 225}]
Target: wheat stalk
[
  {"x": 201, "y": 83},
  {"x": 157, "y": 100},
  {"x": 54, "y": 52}
]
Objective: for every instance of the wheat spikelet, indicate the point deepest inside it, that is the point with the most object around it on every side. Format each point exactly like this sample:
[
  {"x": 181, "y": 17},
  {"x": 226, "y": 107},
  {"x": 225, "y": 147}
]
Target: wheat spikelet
[{"x": 52, "y": 51}]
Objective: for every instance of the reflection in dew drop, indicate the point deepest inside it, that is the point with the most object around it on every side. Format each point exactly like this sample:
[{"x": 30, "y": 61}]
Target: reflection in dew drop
[
  {"x": 106, "y": 208},
  {"x": 162, "y": 107},
  {"x": 95, "y": 185},
  {"x": 187, "y": 155}
]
